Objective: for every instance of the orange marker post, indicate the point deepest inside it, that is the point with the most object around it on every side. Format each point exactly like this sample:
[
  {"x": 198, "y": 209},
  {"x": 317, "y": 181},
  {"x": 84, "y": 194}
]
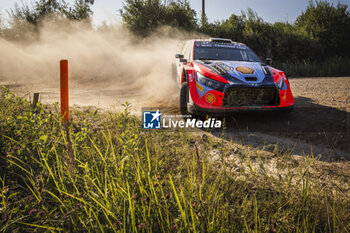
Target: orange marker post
[{"x": 64, "y": 90}]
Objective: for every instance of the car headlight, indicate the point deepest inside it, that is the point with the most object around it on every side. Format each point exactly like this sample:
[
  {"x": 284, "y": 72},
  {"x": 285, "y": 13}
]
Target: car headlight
[
  {"x": 266, "y": 70},
  {"x": 219, "y": 86}
]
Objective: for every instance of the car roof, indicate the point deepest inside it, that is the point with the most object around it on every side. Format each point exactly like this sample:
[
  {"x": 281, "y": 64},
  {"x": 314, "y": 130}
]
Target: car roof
[
  {"x": 221, "y": 40},
  {"x": 218, "y": 40}
]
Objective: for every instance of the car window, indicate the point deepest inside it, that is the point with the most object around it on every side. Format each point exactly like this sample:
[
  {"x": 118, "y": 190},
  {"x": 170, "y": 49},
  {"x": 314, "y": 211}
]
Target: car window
[{"x": 230, "y": 52}]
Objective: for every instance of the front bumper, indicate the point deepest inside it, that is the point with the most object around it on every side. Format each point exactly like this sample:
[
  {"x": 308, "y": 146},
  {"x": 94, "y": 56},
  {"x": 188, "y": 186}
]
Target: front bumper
[
  {"x": 220, "y": 111},
  {"x": 238, "y": 98}
]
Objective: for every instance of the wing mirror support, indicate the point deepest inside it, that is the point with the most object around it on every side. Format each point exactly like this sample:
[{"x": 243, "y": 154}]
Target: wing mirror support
[
  {"x": 268, "y": 61},
  {"x": 183, "y": 60},
  {"x": 179, "y": 56}
]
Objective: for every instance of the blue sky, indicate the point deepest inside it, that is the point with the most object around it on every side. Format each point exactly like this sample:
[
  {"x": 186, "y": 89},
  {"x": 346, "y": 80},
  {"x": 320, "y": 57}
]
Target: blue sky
[{"x": 270, "y": 10}]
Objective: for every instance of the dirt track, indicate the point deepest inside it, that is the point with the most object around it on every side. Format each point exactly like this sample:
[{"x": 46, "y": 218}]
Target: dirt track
[{"x": 318, "y": 124}]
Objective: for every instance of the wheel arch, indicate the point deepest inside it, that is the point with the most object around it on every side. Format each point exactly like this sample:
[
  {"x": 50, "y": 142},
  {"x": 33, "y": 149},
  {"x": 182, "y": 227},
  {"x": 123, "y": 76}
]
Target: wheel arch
[{"x": 184, "y": 76}]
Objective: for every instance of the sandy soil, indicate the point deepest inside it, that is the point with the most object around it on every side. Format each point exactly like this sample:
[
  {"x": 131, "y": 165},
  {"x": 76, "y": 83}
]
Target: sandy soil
[{"x": 332, "y": 92}]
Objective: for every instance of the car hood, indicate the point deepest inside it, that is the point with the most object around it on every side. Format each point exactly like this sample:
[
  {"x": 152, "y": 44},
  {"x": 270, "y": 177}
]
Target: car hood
[{"x": 250, "y": 73}]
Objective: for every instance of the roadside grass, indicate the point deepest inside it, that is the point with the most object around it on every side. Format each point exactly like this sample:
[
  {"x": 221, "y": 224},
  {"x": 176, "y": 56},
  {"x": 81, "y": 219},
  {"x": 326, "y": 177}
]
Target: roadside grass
[
  {"x": 331, "y": 67},
  {"x": 103, "y": 173}
]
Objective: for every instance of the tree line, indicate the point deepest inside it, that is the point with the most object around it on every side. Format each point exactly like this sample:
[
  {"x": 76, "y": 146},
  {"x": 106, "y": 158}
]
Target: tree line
[
  {"x": 25, "y": 20},
  {"x": 317, "y": 43}
]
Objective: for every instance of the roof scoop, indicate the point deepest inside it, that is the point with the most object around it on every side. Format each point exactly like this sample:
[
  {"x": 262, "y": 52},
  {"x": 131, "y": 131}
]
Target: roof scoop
[{"x": 221, "y": 40}]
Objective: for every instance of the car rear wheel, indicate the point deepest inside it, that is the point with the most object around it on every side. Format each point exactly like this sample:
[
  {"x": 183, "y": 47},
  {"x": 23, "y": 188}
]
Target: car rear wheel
[{"x": 184, "y": 98}]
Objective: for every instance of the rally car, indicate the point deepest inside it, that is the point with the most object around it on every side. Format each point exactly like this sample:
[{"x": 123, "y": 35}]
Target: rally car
[{"x": 220, "y": 76}]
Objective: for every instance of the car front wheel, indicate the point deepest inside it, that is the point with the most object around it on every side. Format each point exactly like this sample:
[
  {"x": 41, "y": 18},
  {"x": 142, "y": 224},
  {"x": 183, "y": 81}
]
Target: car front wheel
[{"x": 184, "y": 98}]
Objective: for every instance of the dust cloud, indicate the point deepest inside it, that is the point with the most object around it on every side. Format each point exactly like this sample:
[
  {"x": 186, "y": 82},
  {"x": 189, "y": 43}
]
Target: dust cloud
[{"x": 108, "y": 65}]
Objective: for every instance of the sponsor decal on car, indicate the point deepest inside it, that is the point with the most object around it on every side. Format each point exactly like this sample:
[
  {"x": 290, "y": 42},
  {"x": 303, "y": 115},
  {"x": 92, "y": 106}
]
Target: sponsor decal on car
[
  {"x": 245, "y": 70},
  {"x": 199, "y": 87},
  {"x": 190, "y": 77},
  {"x": 220, "y": 45},
  {"x": 210, "y": 98}
]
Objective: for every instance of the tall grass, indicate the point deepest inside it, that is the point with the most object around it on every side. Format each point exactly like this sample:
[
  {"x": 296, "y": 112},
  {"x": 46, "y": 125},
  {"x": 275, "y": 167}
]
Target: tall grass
[
  {"x": 331, "y": 67},
  {"x": 119, "y": 178}
]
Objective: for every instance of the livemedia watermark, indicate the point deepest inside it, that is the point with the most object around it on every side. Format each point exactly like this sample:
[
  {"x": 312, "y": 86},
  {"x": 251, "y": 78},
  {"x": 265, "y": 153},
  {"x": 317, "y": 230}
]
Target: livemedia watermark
[{"x": 155, "y": 119}]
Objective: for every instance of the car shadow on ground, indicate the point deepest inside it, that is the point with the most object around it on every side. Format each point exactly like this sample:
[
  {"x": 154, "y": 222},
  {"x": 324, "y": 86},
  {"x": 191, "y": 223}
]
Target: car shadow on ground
[{"x": 321, "y": 128}]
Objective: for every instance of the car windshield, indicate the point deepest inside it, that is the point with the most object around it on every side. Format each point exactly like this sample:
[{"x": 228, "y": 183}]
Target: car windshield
[{"x": 228, "y": 53}]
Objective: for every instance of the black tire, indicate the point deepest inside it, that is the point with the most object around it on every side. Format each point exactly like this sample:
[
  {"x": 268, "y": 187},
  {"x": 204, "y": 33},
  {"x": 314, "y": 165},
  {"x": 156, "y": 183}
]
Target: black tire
[{"x": 184, "y": 98}]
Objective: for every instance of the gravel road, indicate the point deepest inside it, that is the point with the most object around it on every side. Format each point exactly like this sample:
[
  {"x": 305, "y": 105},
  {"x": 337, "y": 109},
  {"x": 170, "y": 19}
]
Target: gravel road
[{"x": 319, "y": 123}]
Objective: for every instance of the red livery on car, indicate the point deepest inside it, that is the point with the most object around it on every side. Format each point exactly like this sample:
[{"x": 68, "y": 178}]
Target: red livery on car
[{"x": 220, "y": 76}]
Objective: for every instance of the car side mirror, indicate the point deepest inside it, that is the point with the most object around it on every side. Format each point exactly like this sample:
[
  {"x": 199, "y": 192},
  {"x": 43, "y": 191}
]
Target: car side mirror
[
  {"x": 179, "y": 56},
  {"x": 268, "y": 61},
  {"x": 183, "y": 60}
]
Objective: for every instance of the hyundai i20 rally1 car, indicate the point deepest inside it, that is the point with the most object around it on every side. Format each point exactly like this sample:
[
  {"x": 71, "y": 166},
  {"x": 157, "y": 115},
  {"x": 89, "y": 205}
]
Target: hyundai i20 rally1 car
[{"x": 220, "y": 76}]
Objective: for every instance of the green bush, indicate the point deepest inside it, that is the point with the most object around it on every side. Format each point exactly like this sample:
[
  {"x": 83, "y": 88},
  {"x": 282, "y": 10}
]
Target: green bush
[{"x": 143, "y": 17}]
